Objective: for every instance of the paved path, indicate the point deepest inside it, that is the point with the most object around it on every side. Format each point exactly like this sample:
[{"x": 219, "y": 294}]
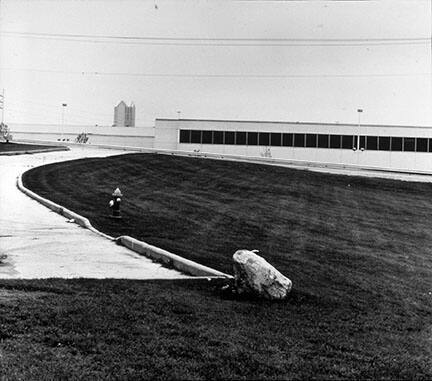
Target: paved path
[
  {"x": 377, "y": 174},
  {"x": 42, "y": 244}
]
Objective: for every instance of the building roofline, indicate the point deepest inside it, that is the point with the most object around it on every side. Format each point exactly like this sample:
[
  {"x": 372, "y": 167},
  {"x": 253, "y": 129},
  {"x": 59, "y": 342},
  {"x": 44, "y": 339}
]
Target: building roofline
[{"x": 300, "y": 123}]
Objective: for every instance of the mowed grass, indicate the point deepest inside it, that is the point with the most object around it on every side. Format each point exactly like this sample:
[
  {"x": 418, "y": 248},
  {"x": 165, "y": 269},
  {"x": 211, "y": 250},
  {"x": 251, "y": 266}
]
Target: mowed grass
[
  {"x": 18, "y": 147},
  {"x": 358, "y": 250},
  {"x": 118, "y": 329}
]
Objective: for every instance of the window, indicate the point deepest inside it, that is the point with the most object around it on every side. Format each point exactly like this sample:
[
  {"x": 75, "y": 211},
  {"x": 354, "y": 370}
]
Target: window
[
  {"x": 347, "y": 141},
  {"x": 184, "y": 136},
  {"x": 229, "y": 137},
  {"x": 422, "y": 145},
  {"x": 207, "y": 137},
  {"x": 396, "y": 144},
  {"x": 311, "y": 140},
  {"x": 241, "y": 138},
  {"x": 252, "y": 138},
  {"x": 196, "y": 136},
  {"x": 287, "y": 140},
  {"x": 218, "y": 137},
  {"x": 335, "y": 141},
  {"x": 275, "y": 139},
  {"x": 372, "y": 143},
  {"x": 299, "y": 140},
  {"x": 384, "y": 143},
  {"x": 323, "y": 141},
  {"x": 409, "y": 144},
  {"x": 264, "y": 138}
]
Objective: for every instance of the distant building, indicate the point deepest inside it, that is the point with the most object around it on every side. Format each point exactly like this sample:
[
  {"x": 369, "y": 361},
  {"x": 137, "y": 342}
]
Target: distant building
[
  {"x": 325, "y": 145},
  {"x": 124, "y": 116}
]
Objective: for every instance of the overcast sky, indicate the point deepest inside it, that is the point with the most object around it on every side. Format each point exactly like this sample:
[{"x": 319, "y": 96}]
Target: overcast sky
[{"x": 263, "y": 77}]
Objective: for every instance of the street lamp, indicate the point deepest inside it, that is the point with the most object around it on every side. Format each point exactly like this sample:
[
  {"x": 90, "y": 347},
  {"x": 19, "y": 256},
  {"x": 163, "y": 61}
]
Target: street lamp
[
  {"x": 359, "y": 112},
  {"x": 63, "y": 119},
  {"x": 63, "y": 112}
]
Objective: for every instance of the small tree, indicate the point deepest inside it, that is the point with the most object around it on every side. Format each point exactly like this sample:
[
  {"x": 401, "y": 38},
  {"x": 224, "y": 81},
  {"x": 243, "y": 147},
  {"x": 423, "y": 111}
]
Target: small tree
[{"x": 5, "y": 132}]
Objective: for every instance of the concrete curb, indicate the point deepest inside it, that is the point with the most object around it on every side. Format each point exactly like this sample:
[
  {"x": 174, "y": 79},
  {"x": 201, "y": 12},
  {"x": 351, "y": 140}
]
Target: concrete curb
[
  {"x": 11, "y": 153},
  {"x": 182, "y": 264},
  {"x": 80, "y": 220},
  {"x": 159, "y": 255}
]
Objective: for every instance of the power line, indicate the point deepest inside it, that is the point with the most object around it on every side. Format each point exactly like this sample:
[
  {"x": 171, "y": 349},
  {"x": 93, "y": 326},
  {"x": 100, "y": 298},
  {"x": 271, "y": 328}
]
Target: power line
[
  {"x": 212, "y": 39},
  {"x": 348, "y": 44},
  {"x": 220, "y": 41},
  {"x": 222, "y": 75}
]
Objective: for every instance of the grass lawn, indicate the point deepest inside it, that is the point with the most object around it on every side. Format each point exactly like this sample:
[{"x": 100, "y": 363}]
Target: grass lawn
[
  {"x": 358, "y": 251},
  {"x": 88, "y": 329},
  {"x": 18, "y": 147}
]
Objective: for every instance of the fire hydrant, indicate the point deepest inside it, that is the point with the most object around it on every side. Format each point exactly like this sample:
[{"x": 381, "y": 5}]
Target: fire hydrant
[{"x": 115, "y": 203}]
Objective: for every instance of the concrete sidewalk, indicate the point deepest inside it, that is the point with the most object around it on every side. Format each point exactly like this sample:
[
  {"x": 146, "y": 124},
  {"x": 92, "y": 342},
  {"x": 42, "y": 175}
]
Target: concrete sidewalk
[{"x": 39, "y": 243}]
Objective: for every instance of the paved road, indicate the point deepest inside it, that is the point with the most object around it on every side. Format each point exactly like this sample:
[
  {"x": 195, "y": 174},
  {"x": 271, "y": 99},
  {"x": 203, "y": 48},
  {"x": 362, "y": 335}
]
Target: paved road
[{"x": 39, "y": 243}]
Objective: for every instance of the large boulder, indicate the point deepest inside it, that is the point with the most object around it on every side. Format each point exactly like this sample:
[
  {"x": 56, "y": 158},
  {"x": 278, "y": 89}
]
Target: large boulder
[{"x": 254, "y": 275}]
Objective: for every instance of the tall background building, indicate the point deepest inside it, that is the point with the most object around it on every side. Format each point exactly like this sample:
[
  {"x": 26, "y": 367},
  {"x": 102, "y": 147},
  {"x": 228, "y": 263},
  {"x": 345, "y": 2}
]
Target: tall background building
[{"x": 124, "y": 116}]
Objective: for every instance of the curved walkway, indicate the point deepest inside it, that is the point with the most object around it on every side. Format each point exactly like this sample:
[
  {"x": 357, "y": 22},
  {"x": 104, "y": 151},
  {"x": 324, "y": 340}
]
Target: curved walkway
[{"x": 38, "y": 243}]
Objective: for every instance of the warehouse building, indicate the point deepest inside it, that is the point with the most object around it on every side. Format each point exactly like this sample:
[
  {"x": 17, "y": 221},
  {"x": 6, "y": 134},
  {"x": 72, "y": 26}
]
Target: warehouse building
[
  {"x": 394, "y": 148},
  {"x": 399, "y": 148}
]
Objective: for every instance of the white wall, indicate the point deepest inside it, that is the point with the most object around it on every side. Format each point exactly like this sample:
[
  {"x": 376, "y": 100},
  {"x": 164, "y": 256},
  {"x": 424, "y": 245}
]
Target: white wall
[
  {"x": 128, "y": 136},
  {"x": 167, "y": 136}
]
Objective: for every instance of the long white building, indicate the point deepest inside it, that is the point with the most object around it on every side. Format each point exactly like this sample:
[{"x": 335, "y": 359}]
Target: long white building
[
  {"x": 397, "y": 148},
  {"x": 394, "y": 148}
]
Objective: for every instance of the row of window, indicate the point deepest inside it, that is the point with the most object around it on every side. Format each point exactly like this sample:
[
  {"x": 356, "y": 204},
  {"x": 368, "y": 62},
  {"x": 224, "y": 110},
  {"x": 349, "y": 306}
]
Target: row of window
[{"x": 278, "y": 139}]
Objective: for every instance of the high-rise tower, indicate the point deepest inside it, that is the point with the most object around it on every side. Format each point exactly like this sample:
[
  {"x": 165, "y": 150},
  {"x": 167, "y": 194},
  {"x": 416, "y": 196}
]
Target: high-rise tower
[{"x": 124, "y": 116}]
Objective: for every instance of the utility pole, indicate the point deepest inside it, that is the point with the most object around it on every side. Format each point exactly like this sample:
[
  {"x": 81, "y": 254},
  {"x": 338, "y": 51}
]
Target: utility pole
[{"x": 2, "y": 105}]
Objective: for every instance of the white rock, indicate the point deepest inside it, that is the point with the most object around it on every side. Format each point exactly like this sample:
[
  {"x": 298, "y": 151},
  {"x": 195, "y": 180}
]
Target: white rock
[{"x": 253, "y": 274}]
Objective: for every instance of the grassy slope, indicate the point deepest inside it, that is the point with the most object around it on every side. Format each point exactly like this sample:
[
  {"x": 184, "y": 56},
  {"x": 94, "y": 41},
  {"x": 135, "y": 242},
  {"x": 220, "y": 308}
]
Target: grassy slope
[
  {"x": 9, "y": 147},
  {"x": 358, "y": 251},
  {"x": 133, "y": 329}
]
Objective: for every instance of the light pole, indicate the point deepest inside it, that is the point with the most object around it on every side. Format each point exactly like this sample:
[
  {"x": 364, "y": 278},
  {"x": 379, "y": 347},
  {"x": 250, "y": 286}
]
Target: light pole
[
  {"x": 359, "y": 112},
  {"x": 63, "y": 118},
  {"x": 63, "y": 112}
]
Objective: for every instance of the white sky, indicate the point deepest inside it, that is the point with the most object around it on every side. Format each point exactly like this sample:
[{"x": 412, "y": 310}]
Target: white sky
[{"x": 38, "y": 75}]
